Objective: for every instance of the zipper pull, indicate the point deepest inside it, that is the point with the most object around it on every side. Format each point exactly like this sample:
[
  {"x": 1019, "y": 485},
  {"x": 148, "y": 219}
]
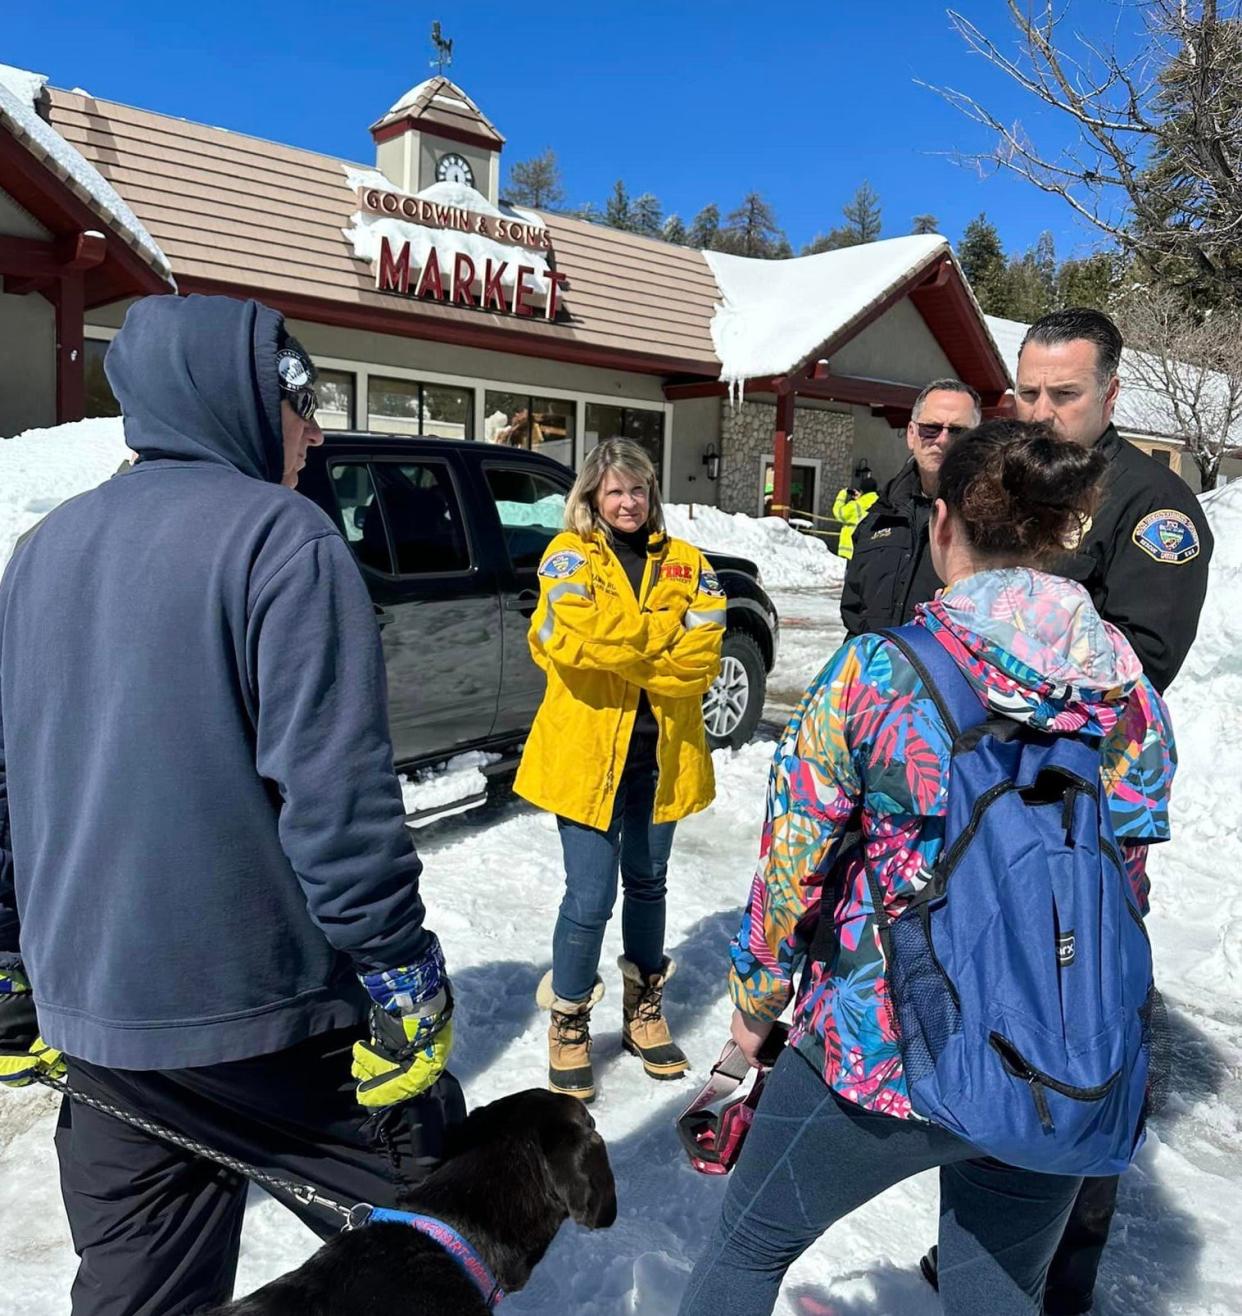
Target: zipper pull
[
  {"x": 1067, "y": 812},
  {"x": 1041, "y": 1104}
]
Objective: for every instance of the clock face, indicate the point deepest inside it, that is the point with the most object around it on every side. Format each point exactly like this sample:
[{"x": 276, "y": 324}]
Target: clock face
[{"x": 454, "y": 168}]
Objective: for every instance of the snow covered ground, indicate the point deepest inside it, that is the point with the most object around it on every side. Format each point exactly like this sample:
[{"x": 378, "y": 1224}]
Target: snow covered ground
[{"x": 492, "y": 883}]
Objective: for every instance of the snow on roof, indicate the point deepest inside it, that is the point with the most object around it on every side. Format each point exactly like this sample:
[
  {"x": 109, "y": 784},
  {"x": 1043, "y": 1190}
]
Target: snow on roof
[
  {"x": 18, "y": 92},
  {"x": 1139, "y": 409},
  {"x": 440, "y": 101},
  {"x": 775, "y": 313}
]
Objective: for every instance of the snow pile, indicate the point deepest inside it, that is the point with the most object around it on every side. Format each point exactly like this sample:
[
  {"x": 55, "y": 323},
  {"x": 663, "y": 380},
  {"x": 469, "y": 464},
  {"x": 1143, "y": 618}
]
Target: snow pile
[
  {"x": 366, "y": 230},
  {"x": 1206, "y": 705},
  {"x": 18, "y": 91},
  {"x": 786, "y": 558},
  {"x": 41, "y": 468},
  {"x": 440, "y": 787},
  {"x": 775, "y": 313}
]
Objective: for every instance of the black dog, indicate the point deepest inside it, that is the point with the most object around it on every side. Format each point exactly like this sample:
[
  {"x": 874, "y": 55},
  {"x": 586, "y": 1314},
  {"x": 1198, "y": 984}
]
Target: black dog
[{"x": 517, "y": 1169}]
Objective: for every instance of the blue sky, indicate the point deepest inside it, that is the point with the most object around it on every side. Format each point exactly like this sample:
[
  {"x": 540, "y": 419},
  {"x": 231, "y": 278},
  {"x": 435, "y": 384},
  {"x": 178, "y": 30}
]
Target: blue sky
[{"x": 692, "y": 101}]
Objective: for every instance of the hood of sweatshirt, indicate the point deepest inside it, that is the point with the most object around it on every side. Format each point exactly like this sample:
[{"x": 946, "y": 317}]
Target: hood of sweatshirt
[
  {"x": 196, "y": 379},
  {"x": 1035, "y": 648}
]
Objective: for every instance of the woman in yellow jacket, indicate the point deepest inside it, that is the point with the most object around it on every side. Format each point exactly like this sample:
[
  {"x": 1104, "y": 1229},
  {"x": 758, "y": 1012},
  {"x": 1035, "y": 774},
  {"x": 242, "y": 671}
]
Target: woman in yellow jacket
[
  {"x": 628, "y": 631},
  {"x": 851, "y": 506}
]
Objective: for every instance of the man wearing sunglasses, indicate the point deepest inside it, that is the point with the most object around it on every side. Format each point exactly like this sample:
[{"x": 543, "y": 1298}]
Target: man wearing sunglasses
[
  {"x": 891, "y": 570},
  {"x": 209, "y": 899}
]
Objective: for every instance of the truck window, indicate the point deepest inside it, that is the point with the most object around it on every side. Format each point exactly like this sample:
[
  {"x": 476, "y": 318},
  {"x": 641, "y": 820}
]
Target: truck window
[
  {"x": 360, "y": 517},
  {"x": 424, "y": 517},
  {"x": 531, "y": 507}
]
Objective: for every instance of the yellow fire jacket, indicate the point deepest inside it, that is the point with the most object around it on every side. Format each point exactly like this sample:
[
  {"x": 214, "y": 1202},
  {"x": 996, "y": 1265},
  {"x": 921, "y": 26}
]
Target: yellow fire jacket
[
  {"x": 599, "y": 648},
  {"x": 850, "y": 511}
]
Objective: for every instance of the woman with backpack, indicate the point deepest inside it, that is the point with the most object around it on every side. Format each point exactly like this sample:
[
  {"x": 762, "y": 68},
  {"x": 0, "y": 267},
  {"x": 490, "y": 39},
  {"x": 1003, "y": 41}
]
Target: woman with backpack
[
  {"x": 857, "y": 820},
  {"x": 628, "y": 629}
]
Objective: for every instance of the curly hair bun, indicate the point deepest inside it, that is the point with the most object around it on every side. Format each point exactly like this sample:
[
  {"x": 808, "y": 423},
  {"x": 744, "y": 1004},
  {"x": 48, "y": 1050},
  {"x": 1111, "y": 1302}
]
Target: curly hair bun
[{"x": 1021, "y": 492}]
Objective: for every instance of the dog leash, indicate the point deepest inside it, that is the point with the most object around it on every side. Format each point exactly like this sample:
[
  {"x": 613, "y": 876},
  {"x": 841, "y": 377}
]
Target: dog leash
[
  {"x": 300, "y": 1192},
  {"x": 354, "y": 1217}
]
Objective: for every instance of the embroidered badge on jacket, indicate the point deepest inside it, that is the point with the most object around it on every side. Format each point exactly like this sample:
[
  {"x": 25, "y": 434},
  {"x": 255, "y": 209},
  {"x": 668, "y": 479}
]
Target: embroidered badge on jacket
[
  {"x": 709, "y": 583},
  {"x": 561, "y": 564},
  {"x": 1167, "y": 536},
  {"x": 676, "y": 571}
]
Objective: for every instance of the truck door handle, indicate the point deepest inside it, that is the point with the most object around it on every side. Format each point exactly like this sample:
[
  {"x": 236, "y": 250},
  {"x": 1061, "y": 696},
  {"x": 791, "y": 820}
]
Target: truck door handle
[
  {"x": 383, "y": 616},
  {"x": 524, "y": 602}
]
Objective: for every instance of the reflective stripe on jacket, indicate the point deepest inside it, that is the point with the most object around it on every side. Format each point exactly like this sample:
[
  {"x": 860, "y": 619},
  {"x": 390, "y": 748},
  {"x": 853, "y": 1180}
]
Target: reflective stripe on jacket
[
  {"x": 849, "y": 511},
  {"x": 599, "y": 647}
]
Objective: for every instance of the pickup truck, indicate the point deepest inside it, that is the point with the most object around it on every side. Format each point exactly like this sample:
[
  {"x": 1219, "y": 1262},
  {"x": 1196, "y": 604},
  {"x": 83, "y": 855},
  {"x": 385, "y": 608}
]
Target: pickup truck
[{"x": 449, "y": 536}]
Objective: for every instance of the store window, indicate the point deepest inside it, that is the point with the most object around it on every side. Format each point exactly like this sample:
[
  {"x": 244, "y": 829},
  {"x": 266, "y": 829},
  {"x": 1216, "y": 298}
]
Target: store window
[
  {"x": 336, "y": 390},
  {"x": 405, "y": 406},
  {"x": 643, "y": 425},
  {"x": 99, "y": 399},
  {"x": 802, "y": 491},
  {"x": 523, "y": 420},
  {"x": 531, "y": 508}
]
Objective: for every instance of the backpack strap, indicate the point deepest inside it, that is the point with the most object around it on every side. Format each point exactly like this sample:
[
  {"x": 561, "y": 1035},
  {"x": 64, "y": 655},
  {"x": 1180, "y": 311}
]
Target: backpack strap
[{"x": 954, "y": 696}]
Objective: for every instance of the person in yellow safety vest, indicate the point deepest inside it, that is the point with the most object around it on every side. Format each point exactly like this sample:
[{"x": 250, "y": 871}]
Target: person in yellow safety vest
[
  {"x": 628, "y": 630},
  {"x": 850, "y": 507}
]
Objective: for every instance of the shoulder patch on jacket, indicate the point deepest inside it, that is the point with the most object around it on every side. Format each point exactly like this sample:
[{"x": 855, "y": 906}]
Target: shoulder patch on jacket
[
  {"x": 1167, "y": 536},
  {"x": 564, "y": 563},
  {"x": 709, "y": 583}
]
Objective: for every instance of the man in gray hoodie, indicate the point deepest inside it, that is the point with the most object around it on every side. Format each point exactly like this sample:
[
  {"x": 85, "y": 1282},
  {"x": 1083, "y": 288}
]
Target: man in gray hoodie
[{"x": 206, "y": 882}]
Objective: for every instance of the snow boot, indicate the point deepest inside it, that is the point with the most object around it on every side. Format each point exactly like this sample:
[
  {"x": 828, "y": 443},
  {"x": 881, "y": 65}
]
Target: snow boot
[
  {"x": 569, "y": 1039},
  {"x": 644, "y": 1030}
]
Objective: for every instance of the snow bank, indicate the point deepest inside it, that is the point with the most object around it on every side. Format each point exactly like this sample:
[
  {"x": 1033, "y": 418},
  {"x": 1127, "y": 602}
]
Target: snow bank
[
  {"x": 775, "y": 313},
  {"x": 41, "y": 468},
  {"x": 787, "y": 559}
]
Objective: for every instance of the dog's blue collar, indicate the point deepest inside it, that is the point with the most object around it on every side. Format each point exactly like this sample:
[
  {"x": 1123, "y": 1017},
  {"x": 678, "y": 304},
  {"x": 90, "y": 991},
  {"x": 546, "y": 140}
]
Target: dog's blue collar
[{"x": 452, "y": 1242}]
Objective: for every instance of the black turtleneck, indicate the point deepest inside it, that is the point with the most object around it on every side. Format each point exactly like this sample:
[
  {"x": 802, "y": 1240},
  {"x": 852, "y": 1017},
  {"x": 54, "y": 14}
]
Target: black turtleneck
[{"x": 630, "y": 546}]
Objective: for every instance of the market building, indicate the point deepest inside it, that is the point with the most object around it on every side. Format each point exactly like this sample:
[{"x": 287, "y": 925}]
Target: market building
[{"x": 433, "y": 306}]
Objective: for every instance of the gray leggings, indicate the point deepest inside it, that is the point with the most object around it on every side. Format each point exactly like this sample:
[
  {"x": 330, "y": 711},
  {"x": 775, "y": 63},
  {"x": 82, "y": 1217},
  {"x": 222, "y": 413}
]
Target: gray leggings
[{"x": 811, "y": 1158}]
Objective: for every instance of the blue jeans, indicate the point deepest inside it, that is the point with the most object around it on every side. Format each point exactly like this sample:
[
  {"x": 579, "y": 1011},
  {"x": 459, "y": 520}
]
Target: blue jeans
[
  {"x": 811, "y": 1158},
  {"x": 640, "y": 849}
]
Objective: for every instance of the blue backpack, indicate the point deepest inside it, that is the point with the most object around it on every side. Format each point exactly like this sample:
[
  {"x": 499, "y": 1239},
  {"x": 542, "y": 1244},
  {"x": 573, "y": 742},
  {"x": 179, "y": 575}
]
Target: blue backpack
[{"x": 1021, "y": 973}]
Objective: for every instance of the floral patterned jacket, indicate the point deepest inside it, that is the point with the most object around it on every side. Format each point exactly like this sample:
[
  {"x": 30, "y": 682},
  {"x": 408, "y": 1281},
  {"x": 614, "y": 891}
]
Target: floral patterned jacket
[{"x": 859, "y": 782}]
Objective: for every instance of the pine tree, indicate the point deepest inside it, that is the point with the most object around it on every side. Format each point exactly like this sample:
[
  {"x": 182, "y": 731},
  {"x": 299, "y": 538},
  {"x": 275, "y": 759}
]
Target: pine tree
[
  {"x": 1045, "y": 258},
  {"x": 704, "y": 228},
  {"x": 862, "y": 214},
  {"x": 647, "y": 215},
  {"x": 983, "y": 263},
  {"x": 833, "y": 240},
  {"x": 925, "y": 224},
  {"x": 674, "y": 231},
  {"x": 1092, "y": 281},
  {"x": 751, "y": 229},
  {"x": 536, "y": 182},
  {"x": 619, "y": 211}
]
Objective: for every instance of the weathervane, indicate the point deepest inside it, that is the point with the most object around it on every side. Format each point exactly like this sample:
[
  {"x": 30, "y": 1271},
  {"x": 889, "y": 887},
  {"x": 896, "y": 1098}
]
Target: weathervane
[{"x": 444, "y": 49}]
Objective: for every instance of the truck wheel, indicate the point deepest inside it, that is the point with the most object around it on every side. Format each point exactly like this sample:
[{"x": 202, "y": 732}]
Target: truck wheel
[{"x": 733, "y": 706}]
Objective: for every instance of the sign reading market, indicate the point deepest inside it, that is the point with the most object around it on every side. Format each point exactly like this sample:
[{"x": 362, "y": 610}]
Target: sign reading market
[{"x": 475, "y": 258}]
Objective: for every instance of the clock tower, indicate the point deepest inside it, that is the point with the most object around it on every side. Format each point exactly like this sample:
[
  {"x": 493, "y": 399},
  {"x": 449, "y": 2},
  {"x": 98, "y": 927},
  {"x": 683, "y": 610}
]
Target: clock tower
[{"x": 436, "y": 134}]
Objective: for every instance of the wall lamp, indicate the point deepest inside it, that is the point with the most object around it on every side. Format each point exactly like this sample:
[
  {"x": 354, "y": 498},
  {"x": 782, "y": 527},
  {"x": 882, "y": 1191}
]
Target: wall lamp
[{"x": 711, "y": 459}]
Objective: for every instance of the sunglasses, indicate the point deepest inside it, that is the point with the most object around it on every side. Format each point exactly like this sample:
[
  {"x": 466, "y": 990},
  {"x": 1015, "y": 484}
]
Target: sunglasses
[
  {"x": 927, "y": 431},
  {"x": 305, "y": 401}
]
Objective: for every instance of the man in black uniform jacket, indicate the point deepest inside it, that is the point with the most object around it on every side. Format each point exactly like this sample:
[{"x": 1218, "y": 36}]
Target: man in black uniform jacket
[
  {"x": 1145, "y": 563},
  {"x": 891, "y": 569}
]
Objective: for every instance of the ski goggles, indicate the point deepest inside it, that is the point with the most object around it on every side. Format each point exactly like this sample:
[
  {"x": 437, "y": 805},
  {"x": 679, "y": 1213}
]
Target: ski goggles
[{"x": 714, "y": 1125}]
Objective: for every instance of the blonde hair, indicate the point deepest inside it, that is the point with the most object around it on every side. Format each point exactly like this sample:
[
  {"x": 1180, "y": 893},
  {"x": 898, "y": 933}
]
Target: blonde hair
[{"x": 625, "y": 457}]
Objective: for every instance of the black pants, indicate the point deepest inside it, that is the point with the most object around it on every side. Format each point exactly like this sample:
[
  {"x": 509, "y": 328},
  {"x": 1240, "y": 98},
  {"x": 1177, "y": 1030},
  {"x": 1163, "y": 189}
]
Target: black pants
[
  {"x": 157, "y": 1230},
  {"x": 1071, "y": 1277}
]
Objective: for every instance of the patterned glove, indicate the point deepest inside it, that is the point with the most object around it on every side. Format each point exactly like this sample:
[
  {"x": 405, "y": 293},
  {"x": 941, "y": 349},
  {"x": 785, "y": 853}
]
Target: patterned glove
[
  {"x": 411, "y": 1032},
  {"x": 24, "y": 1055}
]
